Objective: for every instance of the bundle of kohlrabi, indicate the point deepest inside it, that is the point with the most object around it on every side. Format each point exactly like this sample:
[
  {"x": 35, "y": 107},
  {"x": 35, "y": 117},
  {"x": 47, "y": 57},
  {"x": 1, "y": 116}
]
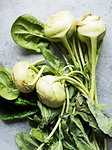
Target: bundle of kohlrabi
[{"x": 67, "y": 115}]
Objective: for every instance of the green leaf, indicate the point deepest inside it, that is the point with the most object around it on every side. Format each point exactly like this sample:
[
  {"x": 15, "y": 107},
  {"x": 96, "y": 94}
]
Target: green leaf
[
  {"x": 104, "y": 122},
  {"x": 27, "y": 31},
  {"x": 7, "y": 88},
  {"x": 52, "y": 60},
  {"x": 23, "y": 102},
  {"x": 81, "y": 139},
  {"x": 68, "y": 146},
  {"x": 25, "y": 142},
  {"x": 71, "y": 91},
  {"x": 48, "y": 114},
  {"x": 56, "y": 146},
  {"x": 8, "y": 111},
  {"x": 38, "y": 134}
]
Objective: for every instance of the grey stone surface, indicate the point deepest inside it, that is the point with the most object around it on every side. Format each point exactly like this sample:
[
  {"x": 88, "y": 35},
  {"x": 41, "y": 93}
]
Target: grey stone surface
[{"x": 10, "y": 53}]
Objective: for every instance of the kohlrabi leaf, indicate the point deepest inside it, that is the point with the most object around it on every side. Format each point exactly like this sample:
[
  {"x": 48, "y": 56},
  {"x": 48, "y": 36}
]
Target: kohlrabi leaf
[
  {"x": 7, "y": 88},
  {"x": 56, "y": 146},
  {"x": 104, "y": 122},
  {"x": 8, "y": 111},
  {"x": 25, "y": 142},
  {"x": 23, "y": 102},
  {"x": 81, "y": 139},
  {"x": 27, "y": 31},
  {"x": 71, "y": 91},
  {"x": 68, "y": 146},
  {"x": 38, "y": 134},
  {"x": 53, "y": 61},
  {"x": 48, "y": 114}
]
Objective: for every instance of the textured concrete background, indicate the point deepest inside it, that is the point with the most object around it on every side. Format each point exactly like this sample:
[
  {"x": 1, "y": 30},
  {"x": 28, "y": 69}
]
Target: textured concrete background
[{"x": 10, "y": 53}]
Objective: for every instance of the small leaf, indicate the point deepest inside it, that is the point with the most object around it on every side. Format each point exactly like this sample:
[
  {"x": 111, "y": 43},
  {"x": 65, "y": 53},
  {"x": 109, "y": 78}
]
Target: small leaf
[
  {"x": 25, "y": 142},
  {"x": 38, "y": 134},
  {"x": 52, "y": 60},
  {"x": 56, "y": 146},
  {"x": 71, "y": 91},
  {"x": 48, "y": 114}
]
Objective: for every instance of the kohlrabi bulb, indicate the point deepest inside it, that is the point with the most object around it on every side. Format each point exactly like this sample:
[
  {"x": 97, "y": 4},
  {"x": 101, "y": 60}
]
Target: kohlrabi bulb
[
  {"x": 60, "y": 25},
  {"x": 90, "y": 26},
  {"x": 22, "y": 76},
  {"x": 51, "y": 94}
]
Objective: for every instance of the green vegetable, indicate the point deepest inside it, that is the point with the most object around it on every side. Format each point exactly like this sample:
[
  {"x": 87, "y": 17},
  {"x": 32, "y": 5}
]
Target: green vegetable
[
  {"x": 51, "y": 94},
  {"x": 59, "y": 27},
  {"x": 22, "y": 76},
  {"x": 91, "y": 29},
  {"x": 7, "y": 88},
  {"x": 28, "y": 32}
]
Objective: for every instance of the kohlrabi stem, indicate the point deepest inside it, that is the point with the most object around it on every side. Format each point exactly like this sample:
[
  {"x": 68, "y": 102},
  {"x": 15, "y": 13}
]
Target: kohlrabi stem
[
  {"x": 98, "y": 53},
  {"x": 60, "y": 53},
  {"x": 50, "y": 69},
  {"x": 68, "y": 100},
  {"x": 105, "y": 144},
  {"x": 93, "y": 69},
  {"x": 34, "y": 68},
  {"x": 77, "y": 72},
  {"x": 38, "y": 62},
  {"x": 75, "y": 83},
  {"x": 55, "y": 127},
  {"x": 96, "y": 99},
  {"x": 67, "y": 46},
  {"x": 80, "y": 53},
  {"x": 68, "y": 67},
  {"x": 75, "y": 52},
  {"x": 89, "y": 55},
  {"x": 38, "y": 76}
]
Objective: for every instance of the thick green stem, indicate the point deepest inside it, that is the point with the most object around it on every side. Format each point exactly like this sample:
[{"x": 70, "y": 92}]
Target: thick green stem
[
  {"x": 66, "y": 44},
  {"x": 99, "y": 50},
  {"x": 93, "y": 69},
  {"x": 75, "y": 53},
  {"x": 105, "y": 144},
  {"x": 38, "y": 62},
  {"x": 77, "y": 72},
  {"x": 80, "y": 53},
  {"x": 74, "y": 82},
  {"x": 68, "y": 101},
  {"x": 38, "y": 76}
]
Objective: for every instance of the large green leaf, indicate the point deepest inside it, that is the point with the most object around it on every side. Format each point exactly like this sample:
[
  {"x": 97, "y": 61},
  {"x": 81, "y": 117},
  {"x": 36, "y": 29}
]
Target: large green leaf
[
  {"x": 104, "y": 122},
  {"x": 8, "y": 111},
  {"x": 27, "y": 31},
  {"x": 48, "y": 114},
  {"x": 25, "y": 142},
  {"x": 81, "y": 139},
  {"x": 7, "y": 88}
]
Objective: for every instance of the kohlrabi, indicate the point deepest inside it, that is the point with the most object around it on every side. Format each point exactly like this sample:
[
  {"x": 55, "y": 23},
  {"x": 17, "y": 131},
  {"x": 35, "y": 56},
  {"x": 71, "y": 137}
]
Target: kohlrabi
[
  {"x": 59, "y": 28},
  {"x": 51, "y": 94},
  {"x": 22, "y": 76},
  {"x": 91, "y": 30}
]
